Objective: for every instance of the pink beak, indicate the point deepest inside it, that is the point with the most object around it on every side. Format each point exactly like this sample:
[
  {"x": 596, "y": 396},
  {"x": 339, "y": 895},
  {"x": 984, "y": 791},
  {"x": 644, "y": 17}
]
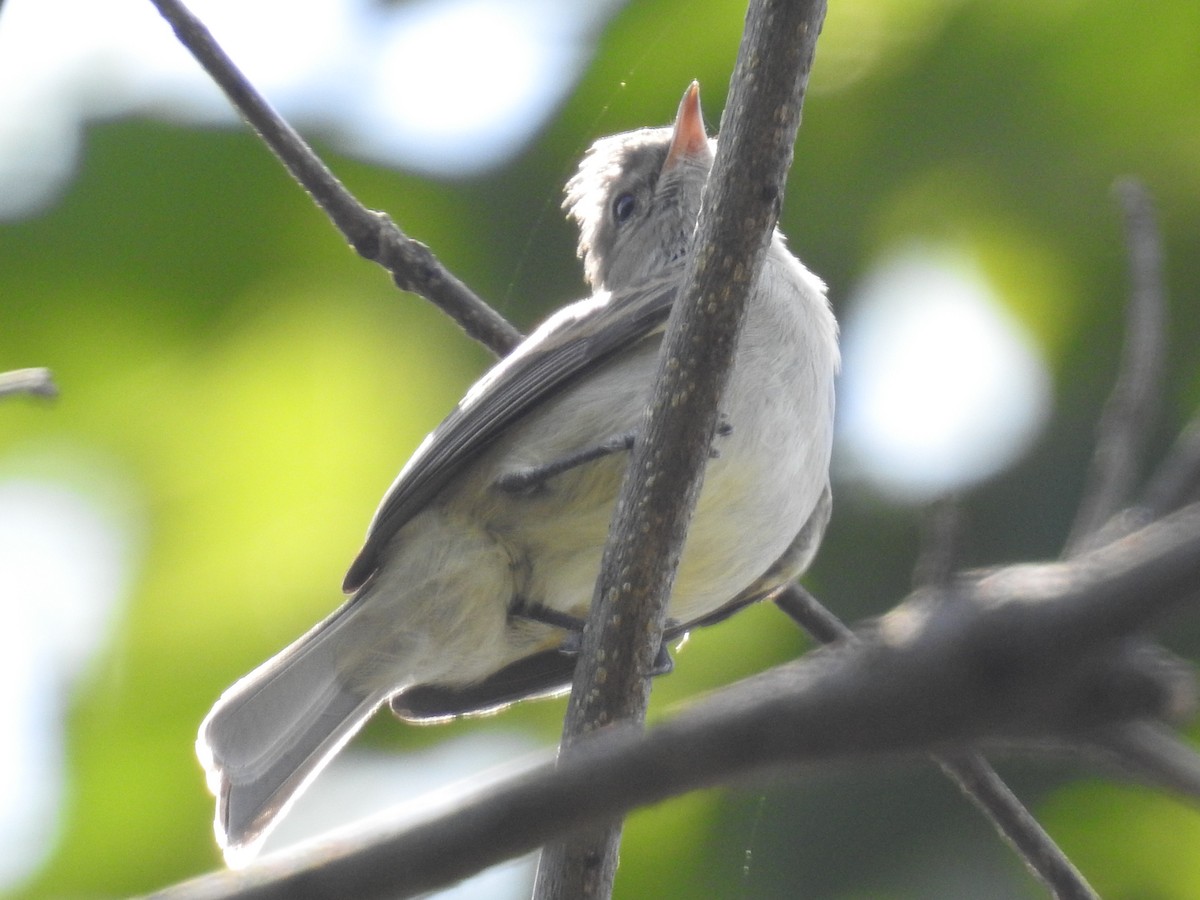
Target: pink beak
[{"x": 689, "y": 139}]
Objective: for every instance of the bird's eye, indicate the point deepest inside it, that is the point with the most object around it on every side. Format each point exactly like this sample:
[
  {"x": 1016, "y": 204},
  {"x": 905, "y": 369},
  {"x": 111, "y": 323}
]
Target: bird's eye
[{"x": 623, "y": 208}]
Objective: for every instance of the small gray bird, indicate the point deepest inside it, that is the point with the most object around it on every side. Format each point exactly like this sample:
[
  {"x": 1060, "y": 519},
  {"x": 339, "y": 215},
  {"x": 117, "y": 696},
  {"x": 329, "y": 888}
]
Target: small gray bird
[{"x": 479, "y": 565}]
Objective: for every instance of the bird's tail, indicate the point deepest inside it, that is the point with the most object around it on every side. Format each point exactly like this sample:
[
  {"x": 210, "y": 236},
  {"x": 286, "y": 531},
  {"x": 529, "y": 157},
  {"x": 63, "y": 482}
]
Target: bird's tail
[{"x": 274, "y": 730}]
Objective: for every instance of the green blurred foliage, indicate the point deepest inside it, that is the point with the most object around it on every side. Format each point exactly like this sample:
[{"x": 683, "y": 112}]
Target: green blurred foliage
[{"x": 218, "y": 345}]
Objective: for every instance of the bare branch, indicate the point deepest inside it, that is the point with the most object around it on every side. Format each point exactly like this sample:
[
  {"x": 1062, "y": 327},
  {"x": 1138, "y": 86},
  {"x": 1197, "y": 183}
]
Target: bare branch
[
  {"x": 28, "y": 381},
  {"x": 810, "y": 614},
  {"x": 1175, "y": 482},
  {"x": 979, "y": 781},
  {"x": 741, "y": 207},
  {"x": 941, "y": 532},
  {"x": 1021, "y": 654},
  {"x": 372, "y": 234},
  {"x": 970, "y": 771},
  {"x": 1152, "y": 752},
  {"x": 1124, "y": 426},
  {"x": 1177, "y": 479}
]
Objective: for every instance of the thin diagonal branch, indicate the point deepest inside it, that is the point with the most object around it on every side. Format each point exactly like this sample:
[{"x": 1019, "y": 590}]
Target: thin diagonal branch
[
  {"x": 1174, "y": 483},
  {"x": 970, "y": 771},
  {"x": 812, "y": 615},
  {"x": 372, "y": 234},
  {"x": 1124, "y": 425},
  {"x": 28, "y": 381},
  {"x": 1177, "y": 479},
  {"x": 977, "y": 779},
  {"x": 1152, "y": 752}
]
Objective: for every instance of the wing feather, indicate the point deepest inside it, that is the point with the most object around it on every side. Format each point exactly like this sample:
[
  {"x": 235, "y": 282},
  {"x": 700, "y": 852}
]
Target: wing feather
[{"x": 570, "y": 344}]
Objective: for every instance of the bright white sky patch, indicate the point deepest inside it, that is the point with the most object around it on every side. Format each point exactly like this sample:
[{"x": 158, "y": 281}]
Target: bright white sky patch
[
  {"x": 511, "y": 64},
  {"x": 942, "y": 388},
  {"x": 63, "y": 568},
  {"x": 449, "y": 87}
]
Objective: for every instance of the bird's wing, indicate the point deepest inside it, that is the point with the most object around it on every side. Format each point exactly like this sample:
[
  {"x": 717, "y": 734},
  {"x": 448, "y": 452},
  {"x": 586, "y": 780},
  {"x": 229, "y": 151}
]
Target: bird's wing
[{"x": 571, "y": 343}]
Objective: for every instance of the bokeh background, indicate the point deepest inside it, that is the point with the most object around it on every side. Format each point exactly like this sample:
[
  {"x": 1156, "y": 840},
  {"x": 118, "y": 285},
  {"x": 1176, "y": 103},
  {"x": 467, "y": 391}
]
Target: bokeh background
[{"x": 238, "y": 389}]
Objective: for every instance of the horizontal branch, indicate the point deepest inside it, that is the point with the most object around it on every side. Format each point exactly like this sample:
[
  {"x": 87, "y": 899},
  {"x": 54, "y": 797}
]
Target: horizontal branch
[{"x": 1012, "y": 655}]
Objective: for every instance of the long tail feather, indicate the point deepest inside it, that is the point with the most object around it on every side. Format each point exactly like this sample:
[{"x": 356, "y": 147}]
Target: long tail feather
[{"x": 270, "y": 734}]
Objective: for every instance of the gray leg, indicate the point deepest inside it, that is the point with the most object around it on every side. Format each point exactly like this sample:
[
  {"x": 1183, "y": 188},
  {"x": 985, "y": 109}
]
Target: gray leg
[
  {"x": 525, "y": 481},
  {"x": 535, "y": 477},
  {"x": 573, "y": 626}
]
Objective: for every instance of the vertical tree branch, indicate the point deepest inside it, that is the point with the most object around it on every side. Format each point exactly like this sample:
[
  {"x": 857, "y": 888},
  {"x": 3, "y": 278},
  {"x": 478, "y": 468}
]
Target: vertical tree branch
[
  {"x": 941, "y": 533},
  {"x": 741, "y": 206},
  {"x": 372, "y": 234}
]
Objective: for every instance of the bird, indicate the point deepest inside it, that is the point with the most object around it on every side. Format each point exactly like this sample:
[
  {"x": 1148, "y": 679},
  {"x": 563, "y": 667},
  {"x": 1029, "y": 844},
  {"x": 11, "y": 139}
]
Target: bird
[{"x": 479, "y": 565}]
